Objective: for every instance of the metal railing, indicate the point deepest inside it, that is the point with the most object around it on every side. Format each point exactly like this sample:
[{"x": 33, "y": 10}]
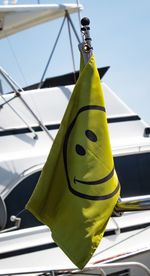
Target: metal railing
[
  {"x": 137, "y": 203},
  {"x": 87, "y": 270},
  {"x": 16, "y": 88}
]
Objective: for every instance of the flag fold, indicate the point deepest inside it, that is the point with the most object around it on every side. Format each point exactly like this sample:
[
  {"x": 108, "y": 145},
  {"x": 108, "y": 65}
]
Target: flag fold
[{"x": 78, "y": 187}]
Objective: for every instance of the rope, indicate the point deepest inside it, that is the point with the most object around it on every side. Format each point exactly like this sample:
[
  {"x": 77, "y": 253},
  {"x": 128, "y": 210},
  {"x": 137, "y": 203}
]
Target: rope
[
  {"x": 16, "y": 60},
  {"x": 20, "y": 212},
  {"x": 131, "y": 236}
]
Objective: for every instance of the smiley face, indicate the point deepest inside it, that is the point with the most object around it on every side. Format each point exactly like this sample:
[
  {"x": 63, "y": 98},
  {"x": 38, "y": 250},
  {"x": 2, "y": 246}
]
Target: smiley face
[{"x": 88, "y": 161}]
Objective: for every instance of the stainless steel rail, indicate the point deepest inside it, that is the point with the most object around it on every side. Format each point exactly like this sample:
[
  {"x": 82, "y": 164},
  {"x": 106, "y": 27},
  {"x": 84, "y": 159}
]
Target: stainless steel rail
[
  {"x": 96, "y": 268},
  {"x": 138, "y": 203},
  {"x": 13, "y": 85}
]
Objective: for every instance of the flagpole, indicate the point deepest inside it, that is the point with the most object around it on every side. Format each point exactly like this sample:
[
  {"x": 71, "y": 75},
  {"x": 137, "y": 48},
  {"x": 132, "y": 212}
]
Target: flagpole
[{"x": 85, "y": 47}]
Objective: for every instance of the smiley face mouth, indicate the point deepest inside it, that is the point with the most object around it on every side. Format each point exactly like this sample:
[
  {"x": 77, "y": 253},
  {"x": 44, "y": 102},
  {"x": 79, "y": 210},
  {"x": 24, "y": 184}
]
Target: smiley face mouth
[{"x": 95, "y": 182}]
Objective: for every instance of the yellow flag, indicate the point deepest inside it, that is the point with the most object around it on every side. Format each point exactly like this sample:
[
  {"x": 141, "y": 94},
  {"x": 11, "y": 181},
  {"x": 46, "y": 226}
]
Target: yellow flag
[{"x": 78, "y": 187}]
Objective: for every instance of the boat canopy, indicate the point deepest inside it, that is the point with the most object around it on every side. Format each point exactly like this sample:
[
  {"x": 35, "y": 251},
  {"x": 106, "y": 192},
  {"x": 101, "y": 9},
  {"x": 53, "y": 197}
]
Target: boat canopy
[{"x": 15, "y": 18}]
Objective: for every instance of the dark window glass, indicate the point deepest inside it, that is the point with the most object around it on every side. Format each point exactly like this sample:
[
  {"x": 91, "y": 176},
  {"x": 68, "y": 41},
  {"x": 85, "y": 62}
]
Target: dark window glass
[
  {"x": 17, "y": 199},
  {"x": 134, "y": 174}
]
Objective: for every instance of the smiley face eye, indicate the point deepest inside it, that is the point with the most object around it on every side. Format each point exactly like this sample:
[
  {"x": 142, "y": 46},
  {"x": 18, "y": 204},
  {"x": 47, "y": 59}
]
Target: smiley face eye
[
  {"x": 80, "y": 150},
  {"x": 91, "y": 135}
]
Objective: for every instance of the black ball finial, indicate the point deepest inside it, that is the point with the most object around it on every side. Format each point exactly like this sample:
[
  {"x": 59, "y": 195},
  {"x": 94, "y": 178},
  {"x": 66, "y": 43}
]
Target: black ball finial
[{"x": 85, "y": 21}]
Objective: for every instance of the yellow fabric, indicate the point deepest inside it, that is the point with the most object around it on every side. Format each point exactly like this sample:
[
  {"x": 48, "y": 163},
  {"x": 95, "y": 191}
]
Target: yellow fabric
[{"x": 78, "y": 187}]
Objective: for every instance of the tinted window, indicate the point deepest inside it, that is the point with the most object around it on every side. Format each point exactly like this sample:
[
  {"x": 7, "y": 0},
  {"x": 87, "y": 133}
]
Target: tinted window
[
  {"x": 134, "y": 174},
  {"x": 17, "y": 199}
]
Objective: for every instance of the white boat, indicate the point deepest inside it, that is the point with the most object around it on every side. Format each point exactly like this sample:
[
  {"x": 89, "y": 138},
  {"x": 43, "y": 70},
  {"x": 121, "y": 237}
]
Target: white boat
[
  {"x": 125, "y": 245},
  {"x": 29, "y": 122}
]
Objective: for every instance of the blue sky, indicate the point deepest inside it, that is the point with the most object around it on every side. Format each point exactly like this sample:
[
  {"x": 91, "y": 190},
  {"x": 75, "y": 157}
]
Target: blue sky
[{"x": 120, "y": 32}]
